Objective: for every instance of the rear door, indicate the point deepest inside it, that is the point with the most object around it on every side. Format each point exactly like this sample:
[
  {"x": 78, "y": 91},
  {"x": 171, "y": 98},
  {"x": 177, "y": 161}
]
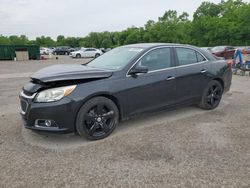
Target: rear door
[{"x": 192, "y": 73}]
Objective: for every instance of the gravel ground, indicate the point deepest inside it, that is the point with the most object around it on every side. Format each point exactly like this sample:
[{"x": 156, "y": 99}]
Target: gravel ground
[{"x": 185, "y": 147}]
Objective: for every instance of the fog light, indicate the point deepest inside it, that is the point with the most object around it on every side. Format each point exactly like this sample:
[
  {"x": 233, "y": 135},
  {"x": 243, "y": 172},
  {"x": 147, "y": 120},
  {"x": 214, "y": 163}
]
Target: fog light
[{"x": 45, "y": 123}]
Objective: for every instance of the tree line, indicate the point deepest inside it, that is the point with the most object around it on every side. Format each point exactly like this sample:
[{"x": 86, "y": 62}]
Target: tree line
[{"x": 225, "y": 23}]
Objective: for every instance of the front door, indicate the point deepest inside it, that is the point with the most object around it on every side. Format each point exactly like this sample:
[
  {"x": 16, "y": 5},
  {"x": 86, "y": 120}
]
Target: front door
[{"x": 155, "y": 89}]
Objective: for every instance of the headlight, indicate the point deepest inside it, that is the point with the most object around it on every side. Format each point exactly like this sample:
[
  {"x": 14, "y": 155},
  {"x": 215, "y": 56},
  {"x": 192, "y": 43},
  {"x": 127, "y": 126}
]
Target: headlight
[{"x": 54, "y": 94}]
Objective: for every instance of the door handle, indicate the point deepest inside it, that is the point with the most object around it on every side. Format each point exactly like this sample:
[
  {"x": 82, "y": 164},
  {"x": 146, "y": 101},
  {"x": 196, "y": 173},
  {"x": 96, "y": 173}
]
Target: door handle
[
  {"x": 170, "y": 78},
  {"x": 203, "y": 71}
]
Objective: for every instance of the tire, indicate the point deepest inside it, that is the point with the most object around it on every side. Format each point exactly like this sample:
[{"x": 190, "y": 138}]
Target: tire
[
  {"x": 78, "y": 56},
  {"x": 242, "y": 73},
  {"x": 97, "y": 118},
  {"x": 235, "y": 71},
  {"x": 211, "y": 96},
  {"x": 97, "y": 55}
]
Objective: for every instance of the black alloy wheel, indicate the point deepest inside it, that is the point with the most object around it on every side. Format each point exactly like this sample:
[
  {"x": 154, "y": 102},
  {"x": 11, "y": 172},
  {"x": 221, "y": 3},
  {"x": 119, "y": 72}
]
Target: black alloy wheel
[
  {"x": 97, "y": 118},
  {"x": 212, "y": 95}
]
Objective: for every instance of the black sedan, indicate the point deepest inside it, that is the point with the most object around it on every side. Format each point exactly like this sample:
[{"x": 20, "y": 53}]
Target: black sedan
[
  {"x": 63, "y": 50},
  {"x": 91, "y": 99}
]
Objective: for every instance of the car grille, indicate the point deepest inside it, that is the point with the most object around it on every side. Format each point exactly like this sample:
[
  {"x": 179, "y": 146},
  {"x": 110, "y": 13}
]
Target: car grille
[{"x": 24, "y": 106}]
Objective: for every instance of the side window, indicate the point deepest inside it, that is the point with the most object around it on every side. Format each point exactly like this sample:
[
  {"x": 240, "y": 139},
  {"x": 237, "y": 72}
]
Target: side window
[
  {"x": 200, "y": 58},
  {"x": 156, "y": 59},
  {"x": 188, "y": 56}
]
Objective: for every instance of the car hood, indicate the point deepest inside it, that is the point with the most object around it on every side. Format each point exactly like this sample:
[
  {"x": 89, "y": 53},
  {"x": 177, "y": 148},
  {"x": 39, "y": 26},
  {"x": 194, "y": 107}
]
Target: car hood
[{"x": 69, "y": 72}]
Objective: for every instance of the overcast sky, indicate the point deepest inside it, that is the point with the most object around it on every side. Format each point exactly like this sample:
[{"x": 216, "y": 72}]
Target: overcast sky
[{"x": 79, "y": 17}]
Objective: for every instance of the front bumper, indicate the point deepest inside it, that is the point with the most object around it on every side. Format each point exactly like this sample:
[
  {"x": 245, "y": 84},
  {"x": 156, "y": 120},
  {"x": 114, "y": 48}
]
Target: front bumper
[
  {"x": 73, "y": 55},
  {"x": 62, "y": 113}
]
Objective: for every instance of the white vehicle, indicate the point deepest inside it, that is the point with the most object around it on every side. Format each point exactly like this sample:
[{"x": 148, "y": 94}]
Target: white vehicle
[
  {"x": 45, "y": 51},
  {"x": 86, "y": 52}
]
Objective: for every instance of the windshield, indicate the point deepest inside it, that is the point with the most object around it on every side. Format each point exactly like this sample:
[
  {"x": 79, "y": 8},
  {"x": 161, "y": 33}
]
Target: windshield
[
  {"x": 218, "y": 49},
  {"x": 115, "y": 59}
]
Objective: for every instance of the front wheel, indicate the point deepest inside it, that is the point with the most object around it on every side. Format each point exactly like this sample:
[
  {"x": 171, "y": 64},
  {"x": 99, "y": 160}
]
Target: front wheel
[
  {"x": 78, "y": 56},
  {"x": 211, "y": 96},
  {"x": 97, "y": 118},
  {"x": 97, "y": 55}
]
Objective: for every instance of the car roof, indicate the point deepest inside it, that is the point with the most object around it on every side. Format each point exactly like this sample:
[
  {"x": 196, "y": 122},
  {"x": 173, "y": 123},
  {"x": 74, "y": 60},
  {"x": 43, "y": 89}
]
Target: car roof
[
  {"x": 152, "y": 45},
  {"x": 148, "y": 46}
]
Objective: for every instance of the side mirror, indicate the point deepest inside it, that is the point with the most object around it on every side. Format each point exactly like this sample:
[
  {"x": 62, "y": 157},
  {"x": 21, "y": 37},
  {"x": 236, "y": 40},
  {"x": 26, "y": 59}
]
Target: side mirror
[{"x": 138, "y": 70}]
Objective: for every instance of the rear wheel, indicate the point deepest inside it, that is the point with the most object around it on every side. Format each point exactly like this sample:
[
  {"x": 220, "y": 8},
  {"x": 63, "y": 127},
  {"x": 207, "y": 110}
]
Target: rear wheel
[
  {"x": 97, "y": 118},
  {"x": 212, "y": 95}
]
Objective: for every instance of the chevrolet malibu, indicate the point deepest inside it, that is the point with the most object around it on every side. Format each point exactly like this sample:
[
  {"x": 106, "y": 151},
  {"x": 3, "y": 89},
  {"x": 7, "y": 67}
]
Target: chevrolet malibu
[{"x": 91, "y": 99}]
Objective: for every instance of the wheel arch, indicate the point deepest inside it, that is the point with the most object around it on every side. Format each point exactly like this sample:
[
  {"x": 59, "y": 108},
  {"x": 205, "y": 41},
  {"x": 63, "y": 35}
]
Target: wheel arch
[
  {"x": 221, "y": 82},
  {"x": 106, "y": 95},
  {"x": 115, "y": 100}
]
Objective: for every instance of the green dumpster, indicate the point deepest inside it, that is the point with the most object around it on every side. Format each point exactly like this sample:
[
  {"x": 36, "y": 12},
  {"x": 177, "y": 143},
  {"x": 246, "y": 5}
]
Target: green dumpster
[{"x": 7, "y": 52}]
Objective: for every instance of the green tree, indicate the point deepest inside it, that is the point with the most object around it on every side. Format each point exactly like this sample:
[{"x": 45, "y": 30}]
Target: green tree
[
  {"x": 45, "y": 41},
  {"x": 4, "y": 40},
  {"x": 60, "y": 40}
]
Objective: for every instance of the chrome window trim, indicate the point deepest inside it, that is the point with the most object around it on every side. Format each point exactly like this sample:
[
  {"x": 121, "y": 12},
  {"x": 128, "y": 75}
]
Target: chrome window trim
[{"x": 169, "y": 68}]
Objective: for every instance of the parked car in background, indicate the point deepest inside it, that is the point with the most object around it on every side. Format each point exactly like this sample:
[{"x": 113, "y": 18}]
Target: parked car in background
[
  {"x": 63, "y": 50},
  {"x": 45, "y": 51},
  {"x": 226, "y": 52},
  {"x": 246, "y": 50},
  {"x": 77, "y": 48},
  {"x": 86, "y": 52},
  {"x": 108, "y": 49},
  {"x": 91, "y": 99},
  {"x": 206, "y": 48},
  {"x": 103, "y": 50},
  {"x": 52, "y": 49}
]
